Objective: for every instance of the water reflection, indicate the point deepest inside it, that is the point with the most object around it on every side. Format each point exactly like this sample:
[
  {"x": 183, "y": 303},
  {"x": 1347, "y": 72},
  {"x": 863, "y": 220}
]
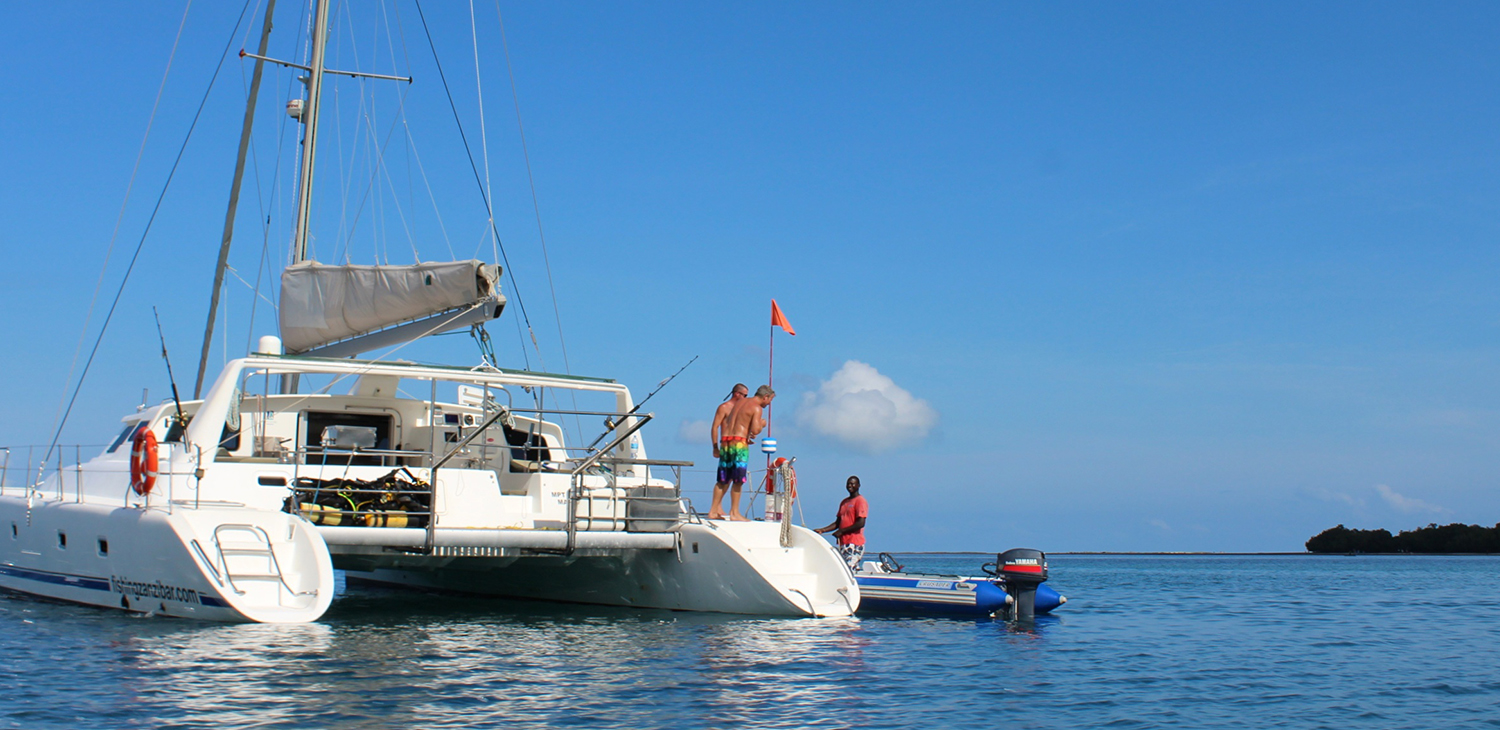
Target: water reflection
[
  {"x": 388, "y": 659},
  {"x": 382, "y": 660},
  {"x": 241, "y": 674}
]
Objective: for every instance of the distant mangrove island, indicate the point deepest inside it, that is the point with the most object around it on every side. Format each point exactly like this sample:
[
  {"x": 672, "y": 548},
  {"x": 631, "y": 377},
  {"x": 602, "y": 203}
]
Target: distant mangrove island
[{"x": 1433, "y": 538}]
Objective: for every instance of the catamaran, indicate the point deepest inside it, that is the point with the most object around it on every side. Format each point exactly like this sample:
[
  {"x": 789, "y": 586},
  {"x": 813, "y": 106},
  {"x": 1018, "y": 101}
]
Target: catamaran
[{"x": 301, "y": 459}]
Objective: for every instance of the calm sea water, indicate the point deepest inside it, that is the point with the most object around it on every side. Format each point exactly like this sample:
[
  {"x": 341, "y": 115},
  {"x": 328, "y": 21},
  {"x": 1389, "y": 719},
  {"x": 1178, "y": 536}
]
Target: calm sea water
[{"x": 1196, "y": 642}]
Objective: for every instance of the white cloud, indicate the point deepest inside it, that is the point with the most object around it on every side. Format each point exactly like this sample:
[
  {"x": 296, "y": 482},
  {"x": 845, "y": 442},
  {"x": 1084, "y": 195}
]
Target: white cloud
[
  {"x": 862, "y": 408},
  {"x": 1331, "y": 496},
  {"x": 693, "y": 432},
  {"x": 1406, "y": 504},
  {"x": 1160, "y": 525}
]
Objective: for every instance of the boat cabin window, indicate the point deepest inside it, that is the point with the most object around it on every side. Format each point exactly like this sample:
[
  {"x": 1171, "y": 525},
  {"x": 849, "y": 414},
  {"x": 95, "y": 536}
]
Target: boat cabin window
[
  {"x": 122, "y": 438},
  {"x": 359, "y": 423},
  {"x": 527, "y": 449},
  {"x": 229, "y": 439}
]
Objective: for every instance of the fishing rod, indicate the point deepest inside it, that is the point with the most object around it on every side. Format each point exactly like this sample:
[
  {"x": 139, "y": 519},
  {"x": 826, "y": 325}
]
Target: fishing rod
[
  {"x": 181, "y": 417},
  {"x": 609, "y": 425}
]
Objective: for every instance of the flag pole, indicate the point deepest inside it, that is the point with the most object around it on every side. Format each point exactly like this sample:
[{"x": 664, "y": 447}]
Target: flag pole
[
  {"x": 777, "y": 320},
  {"x": 771, "y": 376},
  {"x": 771, "y": 382}
]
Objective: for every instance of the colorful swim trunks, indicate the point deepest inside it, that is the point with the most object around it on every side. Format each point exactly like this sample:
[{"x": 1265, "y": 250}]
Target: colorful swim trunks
[{"x": 734, "y": 460}]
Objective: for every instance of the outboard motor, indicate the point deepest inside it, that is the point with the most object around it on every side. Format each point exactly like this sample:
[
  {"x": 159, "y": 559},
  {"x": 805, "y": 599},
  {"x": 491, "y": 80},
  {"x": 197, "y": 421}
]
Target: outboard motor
[{"x": 1023, "y": 570}]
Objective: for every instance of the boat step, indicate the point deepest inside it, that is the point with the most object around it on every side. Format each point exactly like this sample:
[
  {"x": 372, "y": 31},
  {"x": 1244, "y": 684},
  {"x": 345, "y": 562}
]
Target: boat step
[{"x": 255, "y": 576}]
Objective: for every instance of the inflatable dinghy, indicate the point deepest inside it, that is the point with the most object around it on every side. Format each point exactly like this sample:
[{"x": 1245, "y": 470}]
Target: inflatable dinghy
[{"x": 1012, "y": 587}]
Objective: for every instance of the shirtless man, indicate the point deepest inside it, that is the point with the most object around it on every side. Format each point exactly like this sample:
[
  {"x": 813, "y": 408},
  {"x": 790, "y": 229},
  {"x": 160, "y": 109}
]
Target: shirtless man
[
  {"x": 716, "y": 433},
  {"x": 721, "y": 414},
  {"x": 740, "y": 427}
]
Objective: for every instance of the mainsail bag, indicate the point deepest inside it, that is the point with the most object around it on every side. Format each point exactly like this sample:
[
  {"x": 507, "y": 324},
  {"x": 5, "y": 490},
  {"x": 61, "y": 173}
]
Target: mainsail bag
[{"x": 322, "y": 304}]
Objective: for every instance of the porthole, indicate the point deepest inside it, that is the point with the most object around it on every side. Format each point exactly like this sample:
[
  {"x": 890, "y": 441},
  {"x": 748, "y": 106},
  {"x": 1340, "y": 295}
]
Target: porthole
[
  {"x": 103, "y": 548},
  {"x": 62, "y": 541},
  {"x": 13, "y": 531}
]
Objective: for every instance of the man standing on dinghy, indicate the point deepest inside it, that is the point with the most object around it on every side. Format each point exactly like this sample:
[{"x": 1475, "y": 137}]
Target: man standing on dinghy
[
  {"x": 742, "y": 425},
  {"x": 848, "y": 527}
]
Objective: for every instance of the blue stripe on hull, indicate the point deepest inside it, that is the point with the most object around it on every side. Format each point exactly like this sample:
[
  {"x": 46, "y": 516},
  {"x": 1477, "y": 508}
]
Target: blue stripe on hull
[
  {"x": 84, "y": 581},
  {"x": 63, "y": 579}
]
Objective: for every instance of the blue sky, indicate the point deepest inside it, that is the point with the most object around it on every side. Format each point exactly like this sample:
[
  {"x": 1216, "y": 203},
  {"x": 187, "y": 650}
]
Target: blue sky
[{"x": 1164, "y": 276}]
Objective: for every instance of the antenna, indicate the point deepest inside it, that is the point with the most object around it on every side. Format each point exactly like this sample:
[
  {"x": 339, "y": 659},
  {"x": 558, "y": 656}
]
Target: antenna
[{"x": 181, "y": 417}]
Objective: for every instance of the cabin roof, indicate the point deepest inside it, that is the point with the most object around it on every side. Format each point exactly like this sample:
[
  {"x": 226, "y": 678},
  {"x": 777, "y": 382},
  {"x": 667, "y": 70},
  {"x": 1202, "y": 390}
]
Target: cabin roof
[{"x": 348, "y": 363}]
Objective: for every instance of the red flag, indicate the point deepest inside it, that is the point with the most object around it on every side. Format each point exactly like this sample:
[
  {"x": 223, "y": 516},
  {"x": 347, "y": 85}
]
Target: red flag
[{"x": 779, "y": 320}]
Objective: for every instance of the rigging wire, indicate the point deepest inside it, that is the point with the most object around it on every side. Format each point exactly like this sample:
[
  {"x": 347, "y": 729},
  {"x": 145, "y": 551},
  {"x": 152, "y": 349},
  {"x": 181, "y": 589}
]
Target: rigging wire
[
  {"x": 484, "y": 140},
  {"x": 119, "y": 220},
  {"x": 422, "y": 169},
  {"x": 484, "y": 153},
  {"x": 305, "y": 33},
  {"x": 411, "y": 197},
  {"x": 486, "y": 348},
  {"x": 536, "y": 206},
  {"x": 245, "y": 39},
  {"x": 531, "y": 179},
  {"x": 379, "y": 174},
  {"x": 345, "y": 167},
  {"x": 500, "y": 245},
  {"x": 108, "y": 317},
  {"x": 411, "y": 144},
  {"x": 265, "y": 241},
  {"x": 376, "y": 168}
]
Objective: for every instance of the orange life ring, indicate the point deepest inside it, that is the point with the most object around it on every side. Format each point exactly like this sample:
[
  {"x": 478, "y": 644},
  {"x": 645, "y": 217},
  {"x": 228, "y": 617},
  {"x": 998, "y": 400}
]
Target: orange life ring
[
  {"x": 143, "y": 460},
  {"x": 791, "y": 478}
]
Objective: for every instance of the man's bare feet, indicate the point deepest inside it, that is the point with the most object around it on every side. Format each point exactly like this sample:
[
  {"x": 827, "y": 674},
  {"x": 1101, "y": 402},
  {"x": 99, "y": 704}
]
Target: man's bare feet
[{"x": 738, "y": 518}]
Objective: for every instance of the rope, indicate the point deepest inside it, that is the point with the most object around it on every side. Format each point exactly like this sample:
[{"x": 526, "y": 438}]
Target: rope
[
  {"x": 486, "y": 349},
  {"x": 103, "y": 328},
  {"x": 788, "y": 477},
  {"x": 500, "y": 245}
]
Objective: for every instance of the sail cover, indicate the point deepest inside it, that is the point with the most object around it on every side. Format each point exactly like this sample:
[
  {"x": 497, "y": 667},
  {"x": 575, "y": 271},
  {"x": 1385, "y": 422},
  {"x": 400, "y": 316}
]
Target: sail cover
[{"x": 322, "y": 304}]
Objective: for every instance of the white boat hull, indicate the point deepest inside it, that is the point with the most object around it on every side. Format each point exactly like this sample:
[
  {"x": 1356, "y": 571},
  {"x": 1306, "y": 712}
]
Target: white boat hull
[
  {"x": 180, "y": 563},
  {"x": 721, "y": 567}
]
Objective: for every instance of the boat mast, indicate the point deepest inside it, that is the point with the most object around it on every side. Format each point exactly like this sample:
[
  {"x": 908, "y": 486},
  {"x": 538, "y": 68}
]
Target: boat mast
[
  {"x": 314, "y": 81},
  {"x": 234, "y": 198}
]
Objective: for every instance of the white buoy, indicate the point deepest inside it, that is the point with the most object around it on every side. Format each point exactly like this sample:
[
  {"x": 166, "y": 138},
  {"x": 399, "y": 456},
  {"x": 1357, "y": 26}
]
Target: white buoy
[{"x": 768, "y": 446}]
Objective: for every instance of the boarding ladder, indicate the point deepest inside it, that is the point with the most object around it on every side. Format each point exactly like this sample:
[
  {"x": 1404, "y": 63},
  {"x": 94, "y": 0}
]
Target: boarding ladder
[{"x": 246, "y": 556}]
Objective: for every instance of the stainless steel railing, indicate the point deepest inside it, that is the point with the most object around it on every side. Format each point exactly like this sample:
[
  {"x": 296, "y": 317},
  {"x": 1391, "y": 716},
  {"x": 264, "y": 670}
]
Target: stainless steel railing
[{"x": 34, "y": 475}]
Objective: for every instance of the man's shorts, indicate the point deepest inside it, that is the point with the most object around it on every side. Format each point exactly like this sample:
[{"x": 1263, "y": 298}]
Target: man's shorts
[
  {"x": 852, "y": 555},
  {"x": 734, "y": 460}
]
